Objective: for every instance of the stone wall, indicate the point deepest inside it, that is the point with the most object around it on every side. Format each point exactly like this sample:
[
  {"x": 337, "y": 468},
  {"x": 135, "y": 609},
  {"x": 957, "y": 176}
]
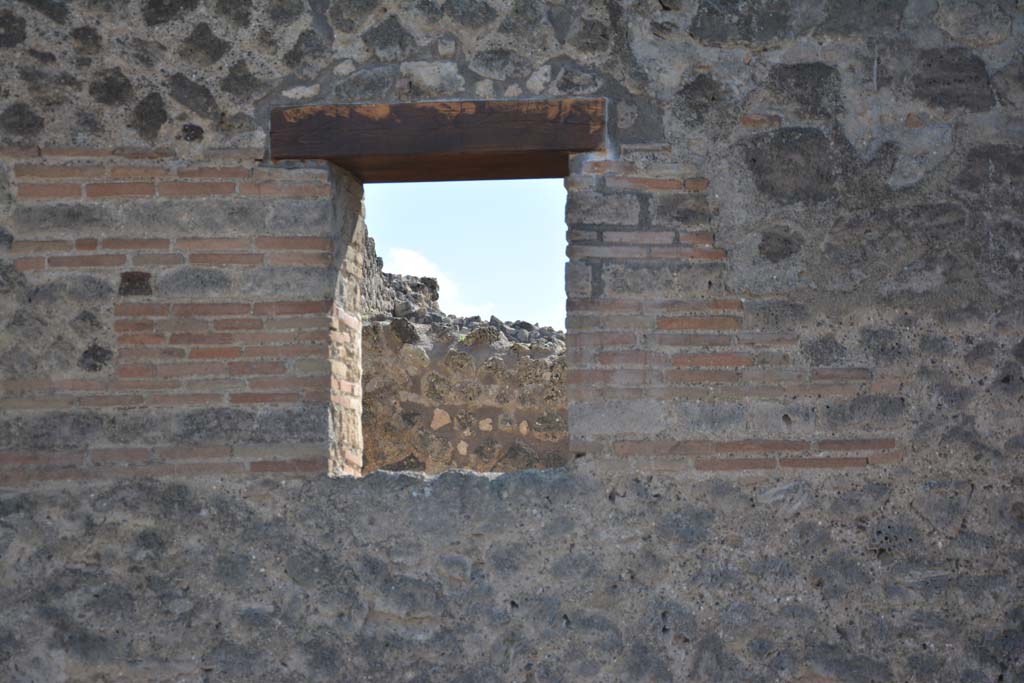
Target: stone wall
[
  {"x": 530, "y": 576},
  {"x": 779, "y": 235},
  {"x": 387, "y": 295},
  {"x": 461, "y": 395},
  {"x": 164, "y": 315},
  {"x": 794, "y": 370}
]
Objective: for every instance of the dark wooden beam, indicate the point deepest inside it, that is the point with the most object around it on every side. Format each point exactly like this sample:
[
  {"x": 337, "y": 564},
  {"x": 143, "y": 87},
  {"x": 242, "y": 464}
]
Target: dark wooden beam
[{"x": 475, "y": 140}]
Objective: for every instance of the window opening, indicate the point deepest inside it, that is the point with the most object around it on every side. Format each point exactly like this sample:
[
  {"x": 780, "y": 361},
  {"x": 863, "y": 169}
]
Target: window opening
[
  {"x": 436, "y": 141},
  {"x": 463, "y": 326}
]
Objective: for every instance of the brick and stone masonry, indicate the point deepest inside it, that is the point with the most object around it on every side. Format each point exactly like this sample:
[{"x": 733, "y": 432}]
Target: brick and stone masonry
[
  {"x": 190, "y": 302},
  {"x": 793, "y": 375}
]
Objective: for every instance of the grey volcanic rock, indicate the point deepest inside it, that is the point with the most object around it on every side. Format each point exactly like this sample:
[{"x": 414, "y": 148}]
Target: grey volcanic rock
[
  {"x": 12, "y": 29},
  {"x": 953, "y": 78},
  {"x": 203, "y": 46},
  {"x": 156, "y": 12},
  {"x": 540, "y": 555},
  {"x": 111, "y": 87},
  {"x": 193, "y": 95},
  {"x": 772, "y": 156},
  {"x": 149, "y": 116},
  {"x": 20, "y": 120}
]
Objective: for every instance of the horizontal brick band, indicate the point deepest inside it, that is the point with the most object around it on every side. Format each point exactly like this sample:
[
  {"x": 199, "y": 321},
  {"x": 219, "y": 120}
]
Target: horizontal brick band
[
  {"x": 156, "y": 252},
  {"x": 718, "y": 322},
  {"x": 112, "y": 175},
  {"x": 673, "y": 252}
]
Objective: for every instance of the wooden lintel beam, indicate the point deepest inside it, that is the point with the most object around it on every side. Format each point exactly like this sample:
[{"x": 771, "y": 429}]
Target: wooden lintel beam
[{"x": 442, "y": 140}]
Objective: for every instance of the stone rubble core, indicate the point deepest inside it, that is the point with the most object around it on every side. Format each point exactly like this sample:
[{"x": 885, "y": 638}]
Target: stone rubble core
[{"x": 793, "y": 376}]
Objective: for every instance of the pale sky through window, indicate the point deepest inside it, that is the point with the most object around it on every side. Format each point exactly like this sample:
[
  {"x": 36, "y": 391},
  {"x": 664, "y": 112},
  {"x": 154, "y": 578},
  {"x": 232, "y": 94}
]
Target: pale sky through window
[{"x": 497, "y": 247}]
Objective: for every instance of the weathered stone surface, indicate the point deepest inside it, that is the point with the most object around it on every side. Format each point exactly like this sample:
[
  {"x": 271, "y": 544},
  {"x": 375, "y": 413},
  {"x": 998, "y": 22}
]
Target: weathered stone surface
[
  {"x": 683, "y": 209},
  {"x": 777, "y": 247},
  {"x": 525, "y": 16},
  {"x": 498, "y": 63},
  {"x": 663, "y": 280},
  {"x": 772, "y": 157},
  {"x": 870, "y": 411},
  {"x": 190, "y": 132},
  {"x": 203, "y": 46},
  {"x": 824, "y": 351},
  {"x": 247, "y": 601},
  {"x": 135, "y": 283},
  {"x": 591, "y": 36},
  {"x": 703, "y": 100},
  {"x": 239, "y": 12},
  {"x": 284, "y": 12},
  {"x": 389, "y": 39},
  {"x": 367, "y": 84},
  {"x": 974, "y": 22},
  {"x": 156, "y": 12},
  {"x": 87, "y": 39},
  {"x": 440, "y": 397},
  {"x": 1009, "y": 82},
  {"x": 195, "y": 96},
  {"x": 813, "y": 86},
  {"x": 55, "y": 10},
  {"x": 45, "y": 326},
  {"x": 471, "y": 13},
  {"x": 578, "y": 280},
  {"x": 12, "y": 29},
  {"x": 953, "y": 78},
  {"x": 882, "y": 344},
  {"x": 429, "y": 79},
  {"x": 240, "y": 81},
  {"x": 852, "y": 17},
  {"x": 346, "y": 14},
  {"x": 19, "y": 120},
  {"x": 306, "y": 53},
  {"x": 95, "y": 358},
  {"x": 575, "y": 80},
  {"x": 149, "y": 116},
  {"x": 757, "y": 23},
  {"x": 596, "y": 208},
  {"x": 992, "y": 166},
  {"x": 184, "y": 282}
]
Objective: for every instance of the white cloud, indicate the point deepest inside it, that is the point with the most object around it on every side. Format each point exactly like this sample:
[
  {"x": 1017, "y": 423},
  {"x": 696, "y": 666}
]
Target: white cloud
[{"x": 410, "y": 262}]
